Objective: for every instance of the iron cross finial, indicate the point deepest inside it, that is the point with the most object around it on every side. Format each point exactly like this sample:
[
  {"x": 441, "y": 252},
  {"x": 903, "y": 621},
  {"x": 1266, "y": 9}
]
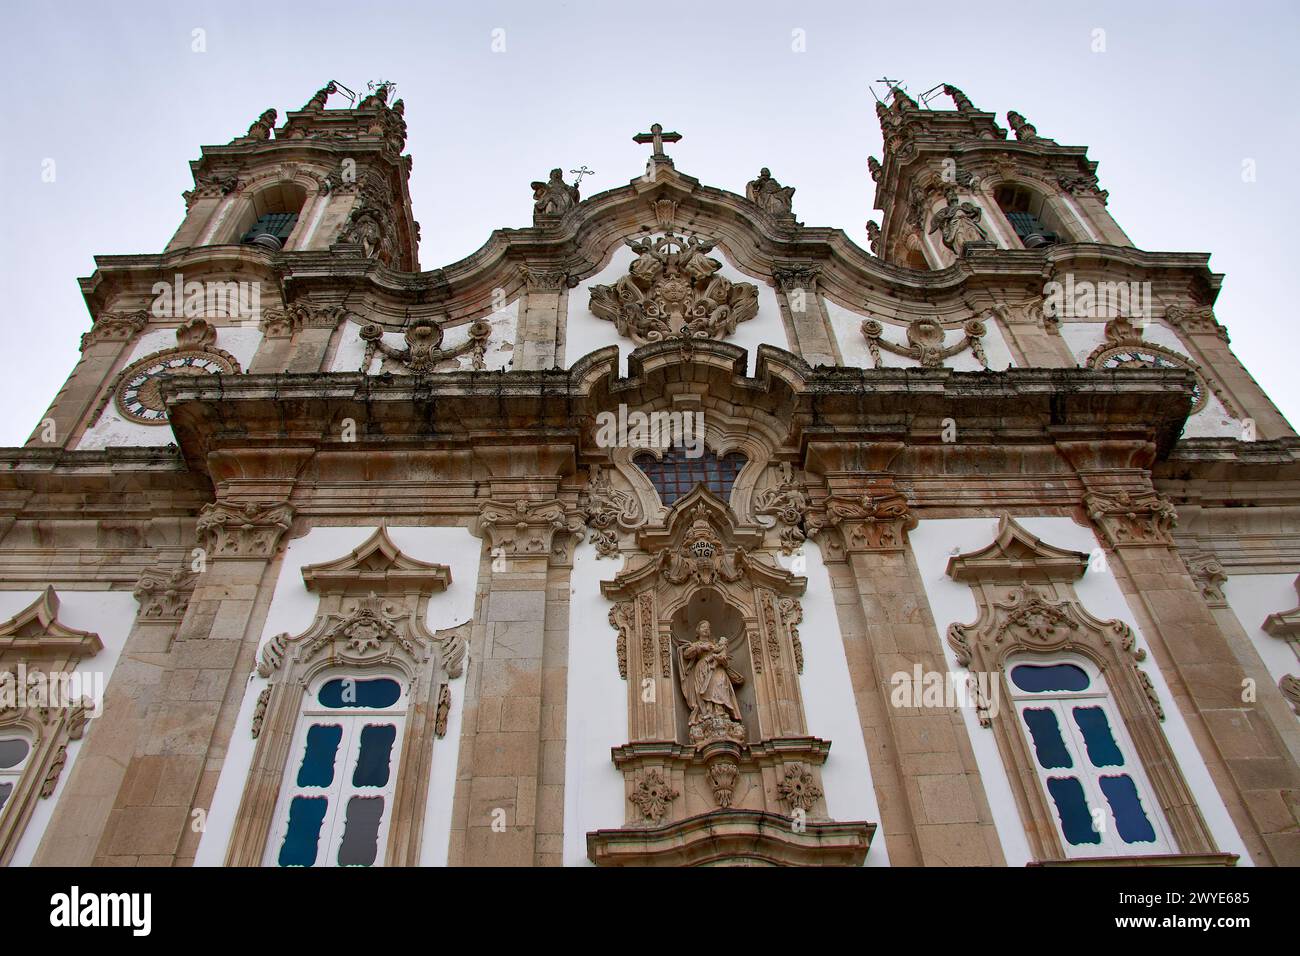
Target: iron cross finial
[{"x": 579, "y": 173}]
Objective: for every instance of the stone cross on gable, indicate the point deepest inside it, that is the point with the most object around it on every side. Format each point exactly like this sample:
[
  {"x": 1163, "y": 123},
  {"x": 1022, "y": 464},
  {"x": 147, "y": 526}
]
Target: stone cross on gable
[{"x": 658, "y": 137}]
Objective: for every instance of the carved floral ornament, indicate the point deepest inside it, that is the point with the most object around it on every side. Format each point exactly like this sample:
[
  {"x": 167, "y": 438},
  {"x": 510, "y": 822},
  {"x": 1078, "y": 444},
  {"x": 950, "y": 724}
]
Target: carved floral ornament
[
  {"x": 373, "y": 605},
  {"x": 164, "y": 593},
  {"x": 424, "y": 351},
  {"x": 925, "y": 342},
  {"x": 875, "y": 521},
  {"x": 37, "y": 640},
  {"x": 711, "y": 624},
  {"x": 1132, "y": 517},
  {"x": 1024, "y": 591},
  {"x": 673, "y": 289}
]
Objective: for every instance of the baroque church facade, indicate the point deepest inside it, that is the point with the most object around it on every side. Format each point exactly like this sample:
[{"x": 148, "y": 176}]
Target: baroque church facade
[{"x": 668, "y": 530}]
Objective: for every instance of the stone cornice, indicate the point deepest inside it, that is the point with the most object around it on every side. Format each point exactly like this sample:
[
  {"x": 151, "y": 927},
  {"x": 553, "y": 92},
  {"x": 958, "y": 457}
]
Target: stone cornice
[{"x": 581, "y": 242}]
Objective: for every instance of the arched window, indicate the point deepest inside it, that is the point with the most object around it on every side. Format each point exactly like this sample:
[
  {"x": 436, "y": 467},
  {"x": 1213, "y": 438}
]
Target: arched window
[
  {"x": 677, "y": 473},
  {"x": 270, "y": 217},
  {"x": 1029, "y": 216},
  {"x": 15, "y": 748},
  {"x": 338, "y": 790},
  {"x": 1095, "y": 785}
]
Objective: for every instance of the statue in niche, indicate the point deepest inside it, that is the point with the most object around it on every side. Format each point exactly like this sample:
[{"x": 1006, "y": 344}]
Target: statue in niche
[
  {"x": 959, "y": 223},
  {"x": 770, "y": 194},
  {"x": 554, "y": 197},
  {"x": 708, "y": 684}
]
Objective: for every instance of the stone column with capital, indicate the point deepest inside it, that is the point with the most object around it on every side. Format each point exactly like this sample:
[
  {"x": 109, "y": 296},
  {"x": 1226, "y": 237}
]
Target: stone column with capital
[
  {"x": 509, "y": 802},
  {"x": 171, "y": 774},
  {"x": 932, "y": 802},
  {"x": 1247, "y": 759}
]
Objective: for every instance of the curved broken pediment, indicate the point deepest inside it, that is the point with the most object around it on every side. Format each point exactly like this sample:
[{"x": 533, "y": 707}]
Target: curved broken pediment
[{"x": 376, "y": 565}]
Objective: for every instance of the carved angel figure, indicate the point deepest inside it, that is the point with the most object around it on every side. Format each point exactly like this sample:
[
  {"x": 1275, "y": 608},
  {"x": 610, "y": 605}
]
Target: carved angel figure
[
  {"x": 708, "y": 682},
  {"x": 554, "y": 197},
  {"x": 959, "y": 222}
]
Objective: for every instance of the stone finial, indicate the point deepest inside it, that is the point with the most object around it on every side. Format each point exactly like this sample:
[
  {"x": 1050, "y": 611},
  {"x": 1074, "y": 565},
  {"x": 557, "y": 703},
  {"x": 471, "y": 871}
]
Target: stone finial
[
  {"x": 874, "y": 167},
  {"x": 261, "y": 128},
  {"x": 964, "y": 105},
  {"x": 1025, "y": 131},
  {"x": 317, "y": 101},
  {"x": 873, "y": 236}
]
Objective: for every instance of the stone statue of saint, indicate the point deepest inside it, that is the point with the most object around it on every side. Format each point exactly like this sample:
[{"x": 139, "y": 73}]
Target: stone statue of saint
[
  {"x": 709, "y": 683},
  {"x": 959, "y": 223},
  {"x": 554, "y": 197},
  {"x": 771, "y": 195}
]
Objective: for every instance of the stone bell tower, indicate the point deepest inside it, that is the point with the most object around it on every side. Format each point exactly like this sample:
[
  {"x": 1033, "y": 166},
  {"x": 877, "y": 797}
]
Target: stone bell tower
[
  {"x": 326, "y": 177},
  {"x": 237, "y": 288},
  {"x": 951, "y": 179}
]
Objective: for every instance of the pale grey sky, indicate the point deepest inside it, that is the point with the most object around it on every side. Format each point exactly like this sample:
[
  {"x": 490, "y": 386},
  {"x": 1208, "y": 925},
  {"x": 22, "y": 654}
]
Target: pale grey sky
[{"x": 116, "y": 96}]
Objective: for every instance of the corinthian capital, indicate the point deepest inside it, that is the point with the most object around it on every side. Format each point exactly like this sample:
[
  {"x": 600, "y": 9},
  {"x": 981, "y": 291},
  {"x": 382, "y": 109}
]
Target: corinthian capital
[{"x": 251, "y": 530}]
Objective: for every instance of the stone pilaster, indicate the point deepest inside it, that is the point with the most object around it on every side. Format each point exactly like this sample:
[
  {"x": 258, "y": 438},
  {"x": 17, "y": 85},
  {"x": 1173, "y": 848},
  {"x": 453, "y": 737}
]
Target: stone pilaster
[
  {"x": 101, "y": 348},
  {"x": 541, "y": 319},
  {"x": 1248, "y": 760},
  {"x": 509, "y": 805},
  {"x": 802, "y": 308},
  {"x": 932, "y": 803},
  {"x": 316, "y": 326},
  {"x": 177, "y": 756}
]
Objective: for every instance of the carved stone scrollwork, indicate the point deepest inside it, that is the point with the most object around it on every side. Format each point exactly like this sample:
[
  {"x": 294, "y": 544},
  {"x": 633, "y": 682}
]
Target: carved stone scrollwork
[
  {"x": 164, "y": 594},
  {"x": 250, "y": 530},
  {"x": 115, "y": 327},
  {"x": 608, "y": 510},
  {"x": 423, "y": 350},
  {"x": 673, "y": 288},
  {"x": 1209, "y": 576},
  {"x": 868, "y": 523},
  {"x": 1125, "y": 517},
  {"x": 1195, "y": 321},
  {"x": 787, "y": 504},
  {"x": 525, "y": 528},
  {"x": 925, "y": 342},
  {"x": 1289, "y": 685}
]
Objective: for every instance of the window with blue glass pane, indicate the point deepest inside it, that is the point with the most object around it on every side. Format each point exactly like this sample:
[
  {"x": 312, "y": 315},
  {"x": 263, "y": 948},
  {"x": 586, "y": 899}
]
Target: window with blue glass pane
[
  {"x": 351, "y": 692},
  {"x": 676, "y": 475},
  {"x": 1126, "y": 807}
]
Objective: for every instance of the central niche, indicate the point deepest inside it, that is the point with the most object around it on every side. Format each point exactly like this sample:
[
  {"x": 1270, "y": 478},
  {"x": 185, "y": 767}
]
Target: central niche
[{"x": 713, "y": 671}]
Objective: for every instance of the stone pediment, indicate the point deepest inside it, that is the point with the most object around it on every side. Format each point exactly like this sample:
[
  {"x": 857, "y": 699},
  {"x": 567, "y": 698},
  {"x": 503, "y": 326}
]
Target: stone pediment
[
  {"x": 36, "y": 631},
  {"x": 1017, "y": 555},
  {"x": 376, "y": 565}
]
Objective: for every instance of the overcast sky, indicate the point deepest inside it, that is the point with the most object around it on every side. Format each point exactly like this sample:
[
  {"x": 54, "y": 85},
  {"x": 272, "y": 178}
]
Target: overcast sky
[{"x": 115, "y": 94}]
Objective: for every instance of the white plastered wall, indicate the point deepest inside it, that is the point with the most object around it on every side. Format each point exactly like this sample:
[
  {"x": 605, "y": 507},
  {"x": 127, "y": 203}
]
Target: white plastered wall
[
  {"x": 113, "y": 431},
  {"x": 292, "y": 610},
  {"x": 1253, "y": 597},
  {"x": 933, "y": 542}
]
